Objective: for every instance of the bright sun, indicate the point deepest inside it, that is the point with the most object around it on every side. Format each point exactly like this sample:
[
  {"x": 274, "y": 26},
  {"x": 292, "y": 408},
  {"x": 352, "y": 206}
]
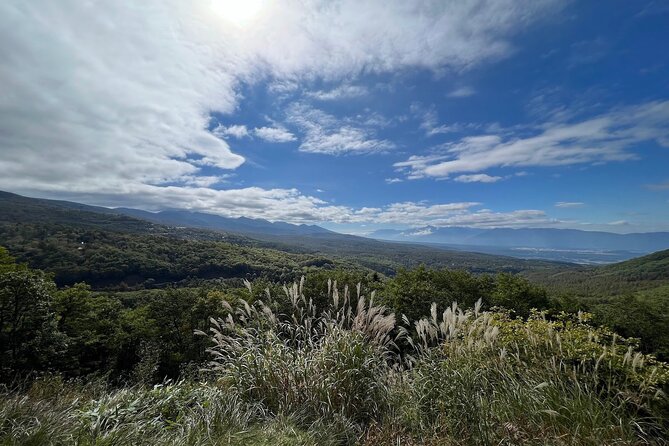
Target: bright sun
[{"x": 239, "y": 12}]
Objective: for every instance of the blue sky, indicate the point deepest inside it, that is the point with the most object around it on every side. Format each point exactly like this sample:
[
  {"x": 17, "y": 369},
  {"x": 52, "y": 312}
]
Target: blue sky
[{"x": 353, "y": 116}]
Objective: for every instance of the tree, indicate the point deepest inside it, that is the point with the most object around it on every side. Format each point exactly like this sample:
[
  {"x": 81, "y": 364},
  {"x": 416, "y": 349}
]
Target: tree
[
  {"x": 518, "y": 294},
  {"x": 411, "y": 292},
  {"x": 92, "y": 324},
  {"x": 29, "y": 335}
]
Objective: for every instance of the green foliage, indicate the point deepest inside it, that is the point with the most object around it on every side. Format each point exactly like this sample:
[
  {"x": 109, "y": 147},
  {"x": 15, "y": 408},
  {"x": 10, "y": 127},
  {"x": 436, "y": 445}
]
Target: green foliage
[
  {"x": 7, "y": 262},
  {"x": 57, "y": 413},
  {"x": 643, "y": 315},
  {"x": 29, "y": 335},
  {"x": 338, "y": 377},
  {"x": 410, "y": 291},
  {"x": 106, "y": 250},
  {"x": 493, "y": 379},
  {"x": 304, "y": 364},
  {"x": 116, "y": 260},
  {"x": 642, "y": 273},
  {"x": 92, "y": 324},
  {"x": 518, "y": 294},
  {"x": 316, "y": 283},
  {"x": 175, "y": 314}
]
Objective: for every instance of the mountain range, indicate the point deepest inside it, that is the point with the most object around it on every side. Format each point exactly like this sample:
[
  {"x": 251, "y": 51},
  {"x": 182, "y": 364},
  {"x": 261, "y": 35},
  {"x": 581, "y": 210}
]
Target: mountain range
[
  {"x": 20, "y": 207},
  {"x": 242, "y": 225},
  {"x": 312, "y": 238},
  {"x": 537, "y": 238}
]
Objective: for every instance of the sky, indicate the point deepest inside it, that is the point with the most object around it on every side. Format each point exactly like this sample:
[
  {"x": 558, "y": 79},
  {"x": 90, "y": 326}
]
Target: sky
[{"x": 354, "y": 115}]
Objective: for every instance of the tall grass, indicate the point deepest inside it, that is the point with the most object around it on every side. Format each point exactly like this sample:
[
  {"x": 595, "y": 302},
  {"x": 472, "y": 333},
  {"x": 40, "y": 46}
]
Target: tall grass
[
  {"x": 496, "y": 380},
  {"x": 286, "y": 372},
  {"x": 308, "y": 364}
]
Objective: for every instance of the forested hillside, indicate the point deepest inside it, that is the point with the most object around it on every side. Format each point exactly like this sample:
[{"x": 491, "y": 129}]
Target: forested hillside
[
  {"x": 110, "y": 250},
  {"x": 645, "y": 272},
  {"x": 114, "y": 259}
]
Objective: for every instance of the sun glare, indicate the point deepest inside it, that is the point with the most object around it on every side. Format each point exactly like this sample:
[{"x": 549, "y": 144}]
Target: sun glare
[{"x": 239, "y": 12}]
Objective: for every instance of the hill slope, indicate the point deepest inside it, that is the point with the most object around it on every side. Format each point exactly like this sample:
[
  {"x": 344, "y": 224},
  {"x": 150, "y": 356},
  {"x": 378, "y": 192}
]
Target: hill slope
[
  {"x": 117, "y": 248},
  {"x": 642, "y": 273}
]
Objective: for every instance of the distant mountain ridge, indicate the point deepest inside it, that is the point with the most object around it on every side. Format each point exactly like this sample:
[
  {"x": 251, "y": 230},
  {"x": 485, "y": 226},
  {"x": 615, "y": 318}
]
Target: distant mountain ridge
[
  {"x": 550, "y": 244},
  {"x": 540, "y": 238},
  {"x": 107, "y": 249},
  {"x": 33, "y": 207},
  {"x": 177, "y": 217}
]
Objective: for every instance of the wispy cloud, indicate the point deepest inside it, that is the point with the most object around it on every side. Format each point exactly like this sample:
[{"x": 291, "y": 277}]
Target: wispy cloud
[
  {"x": 604, "y": 138},
  {"x": 274, "y": 134},
  {"x": 462, "y": 92},
  {"x": 658, "y": 186},
  {"x": 569, "y": 204},
  {"x": 451, "y": 214},
  {"x": 326, "y": 134},
  {"x": 477, "y": 178},
  {"x": 342, "y": 92},
  {"x": 107, "y": 100},
  {"x": 430, "y": 124},
  {"x": 236, "y": 131}
]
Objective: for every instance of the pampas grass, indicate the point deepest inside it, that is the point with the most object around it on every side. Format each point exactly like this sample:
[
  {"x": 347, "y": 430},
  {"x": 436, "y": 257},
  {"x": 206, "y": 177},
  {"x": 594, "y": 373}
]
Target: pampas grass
[{"x": 286, "y": 372}]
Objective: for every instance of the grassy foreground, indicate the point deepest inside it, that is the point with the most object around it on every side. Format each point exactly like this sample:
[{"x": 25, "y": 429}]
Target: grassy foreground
[{"x": 284, "y": 373}]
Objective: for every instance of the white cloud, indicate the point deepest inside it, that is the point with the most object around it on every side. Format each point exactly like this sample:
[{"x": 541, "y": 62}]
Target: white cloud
[
  {"x": 393, "y": 180},
  {"x": 237, "y": 131},
  {"x": 421, "y": 232},
  {"x": 269, "y": 134},
  {"x": 106, "y": 100},
  {"x": 600, "y": 139},
  {"x": 323, "y": 133},
  {"x": 477, "y": 178},
  {"x": 462, "y": 92},
  {"x": 490, "y": 219},
  {"x": 430, "y": 121},
  {"x": 658, "y": 186},
  {"x": 291, "y": 206},
  {"x": 569, "y": 204},
  {"x": 450, "y": 214},
  {"x": 274, "y": 134},
  {"x": 203, "y": 180},
  {"x": 345, "y": 140},
  {"x": 110, "y": 94},
  {"x": 341, "y": 92}
]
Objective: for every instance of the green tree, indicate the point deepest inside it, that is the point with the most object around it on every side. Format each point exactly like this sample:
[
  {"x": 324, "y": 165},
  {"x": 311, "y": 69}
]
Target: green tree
[
  {"x": 29, "y": 335},
  {"x": 411, "y": 292},
  {"x": 518, "y": 294},
  {"x": 92, "y": 324}
]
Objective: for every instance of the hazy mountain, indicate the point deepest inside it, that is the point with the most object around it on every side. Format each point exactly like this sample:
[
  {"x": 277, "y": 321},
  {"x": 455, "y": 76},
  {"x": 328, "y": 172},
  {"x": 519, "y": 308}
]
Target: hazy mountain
[
  {"x": 61, "y": 227},
  {"x": 540, "y": 238},
  {"x": 22, "y": 208},
  {"x": 203, "y": 220}
]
